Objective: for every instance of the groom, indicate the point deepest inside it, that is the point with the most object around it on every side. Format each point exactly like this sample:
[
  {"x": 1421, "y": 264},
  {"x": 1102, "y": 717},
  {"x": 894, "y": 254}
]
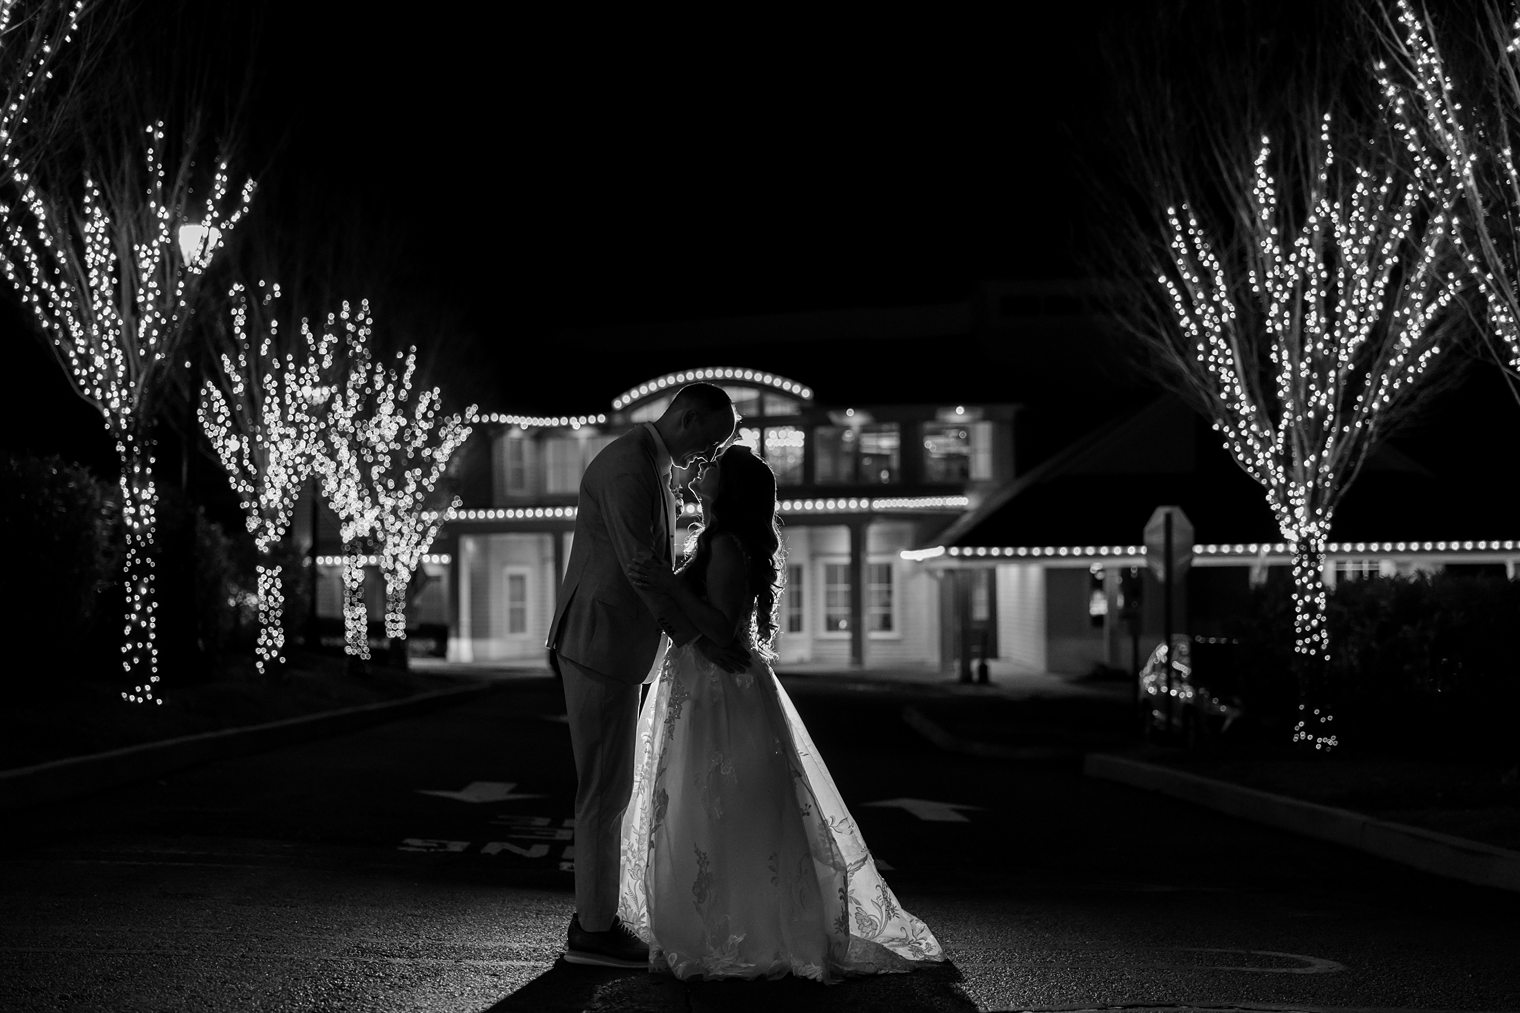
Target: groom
[{"x": 605, "y": 637}]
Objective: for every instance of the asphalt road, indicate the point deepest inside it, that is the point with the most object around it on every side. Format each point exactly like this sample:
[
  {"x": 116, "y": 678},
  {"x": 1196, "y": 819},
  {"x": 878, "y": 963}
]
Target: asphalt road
[{"x": 421, "y": 865}]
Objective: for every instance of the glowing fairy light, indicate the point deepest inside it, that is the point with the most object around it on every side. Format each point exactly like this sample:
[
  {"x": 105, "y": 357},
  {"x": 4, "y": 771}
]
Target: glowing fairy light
[
  {"x": 1305, "y": 337},
  {"x": 113, "y": 298},
  {"x": 263, "y": 416}
]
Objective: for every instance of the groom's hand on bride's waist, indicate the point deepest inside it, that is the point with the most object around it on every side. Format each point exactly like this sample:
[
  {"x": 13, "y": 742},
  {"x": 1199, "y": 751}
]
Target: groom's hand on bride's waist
[{"x": 731, "y": 657}]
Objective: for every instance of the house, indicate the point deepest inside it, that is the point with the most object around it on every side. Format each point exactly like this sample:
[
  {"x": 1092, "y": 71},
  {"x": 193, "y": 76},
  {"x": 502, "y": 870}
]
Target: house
[{"x": 928, "y": 533}]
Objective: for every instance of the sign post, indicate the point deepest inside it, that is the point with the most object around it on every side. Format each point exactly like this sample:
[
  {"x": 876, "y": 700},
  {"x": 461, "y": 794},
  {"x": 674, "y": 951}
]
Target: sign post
[{"x": 1169, "y": 554}]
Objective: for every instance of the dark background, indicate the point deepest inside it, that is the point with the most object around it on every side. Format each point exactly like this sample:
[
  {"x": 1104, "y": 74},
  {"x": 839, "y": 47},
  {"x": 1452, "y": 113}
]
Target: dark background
[{"x": 515, "y": 189}]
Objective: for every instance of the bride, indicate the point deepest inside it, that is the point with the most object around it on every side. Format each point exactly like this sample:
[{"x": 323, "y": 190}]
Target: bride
[{"x": 739, "y": 858}]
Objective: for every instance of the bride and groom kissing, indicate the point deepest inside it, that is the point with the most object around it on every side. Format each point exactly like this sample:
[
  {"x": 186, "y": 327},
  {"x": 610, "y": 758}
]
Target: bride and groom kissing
[{"x": 710, "y": 839}]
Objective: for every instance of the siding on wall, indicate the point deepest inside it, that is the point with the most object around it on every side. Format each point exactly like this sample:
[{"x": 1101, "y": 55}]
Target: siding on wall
[{"x": 1021, "y": 614}]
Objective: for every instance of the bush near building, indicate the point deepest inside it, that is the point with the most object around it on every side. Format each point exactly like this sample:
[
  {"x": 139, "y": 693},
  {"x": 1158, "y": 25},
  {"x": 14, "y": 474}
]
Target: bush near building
[{"x": 1421, "y": 665}]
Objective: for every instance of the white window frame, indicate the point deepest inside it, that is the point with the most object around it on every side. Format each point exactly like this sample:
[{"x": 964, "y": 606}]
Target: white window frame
[
  {"x": 507, "y": 573},
  {"x": 820, "y": 611},
  {"x": 795, "y": 595}
]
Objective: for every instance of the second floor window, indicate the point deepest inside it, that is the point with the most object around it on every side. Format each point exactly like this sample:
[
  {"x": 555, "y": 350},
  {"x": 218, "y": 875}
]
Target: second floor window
[
  {"x": 783, "y": 452},
  {"x": 858, "y": 455},
  {"x": 947, "y": 453}
]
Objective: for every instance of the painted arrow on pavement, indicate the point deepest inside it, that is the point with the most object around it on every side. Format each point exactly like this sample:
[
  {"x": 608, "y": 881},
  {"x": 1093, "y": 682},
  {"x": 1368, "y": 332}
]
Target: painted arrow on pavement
[
  {"x": 925, "y": 809},
  {"x": 481, "y": 791}
]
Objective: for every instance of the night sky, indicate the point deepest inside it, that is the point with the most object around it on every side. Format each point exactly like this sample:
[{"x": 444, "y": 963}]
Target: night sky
[{"x": 511, "y": 187}]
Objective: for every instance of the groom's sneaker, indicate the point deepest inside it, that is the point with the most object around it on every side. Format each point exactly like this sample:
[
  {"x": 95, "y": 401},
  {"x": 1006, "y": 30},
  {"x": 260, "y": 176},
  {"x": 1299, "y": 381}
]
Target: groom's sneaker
[{"x": 617, "y": 947}]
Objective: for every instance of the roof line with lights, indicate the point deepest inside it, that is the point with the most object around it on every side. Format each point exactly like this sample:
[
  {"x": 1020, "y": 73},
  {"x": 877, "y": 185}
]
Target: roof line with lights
[
  {"x": 1238, "y": 549},
  {"x": 686, "y": 376}
]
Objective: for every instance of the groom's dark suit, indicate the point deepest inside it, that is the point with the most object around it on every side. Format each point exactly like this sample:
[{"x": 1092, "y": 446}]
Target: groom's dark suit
[{"x": 604, "y": 640}]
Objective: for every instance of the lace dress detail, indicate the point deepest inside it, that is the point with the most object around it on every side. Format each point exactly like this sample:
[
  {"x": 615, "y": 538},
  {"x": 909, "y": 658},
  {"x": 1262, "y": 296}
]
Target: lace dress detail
[{"x": 739, "y": 857}]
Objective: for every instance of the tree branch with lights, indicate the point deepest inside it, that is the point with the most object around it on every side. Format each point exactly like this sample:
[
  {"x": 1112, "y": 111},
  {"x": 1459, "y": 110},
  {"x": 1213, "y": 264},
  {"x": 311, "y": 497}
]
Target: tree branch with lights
[
  {"x": 112, "y": 288},
  {"x": 1473, "y": 136},
  {"x": 1305, "y": 332},
  {"x": 1285, "y": 262},
  {"x": 264, "y": 416},
  {"x": 389, "y": 454}
]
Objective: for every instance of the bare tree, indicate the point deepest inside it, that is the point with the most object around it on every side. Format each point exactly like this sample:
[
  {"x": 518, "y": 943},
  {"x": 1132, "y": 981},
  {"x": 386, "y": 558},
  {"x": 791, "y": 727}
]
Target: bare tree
[
  {"x": 1461, "y": 103},
  {"x": 1299, "y": 295},
  {"x": 111, "y": 287},
  {"x": 389, "y": 454},
  {"x": 263, "y": 415}
]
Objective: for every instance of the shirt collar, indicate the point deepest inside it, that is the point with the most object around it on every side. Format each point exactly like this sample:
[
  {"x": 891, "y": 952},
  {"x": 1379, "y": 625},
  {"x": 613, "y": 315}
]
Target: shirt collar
[{"x": 662, "y": 458}]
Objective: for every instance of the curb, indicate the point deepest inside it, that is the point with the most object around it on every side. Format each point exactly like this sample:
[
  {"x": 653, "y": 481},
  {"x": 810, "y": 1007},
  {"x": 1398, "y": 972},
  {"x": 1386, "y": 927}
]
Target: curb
[
  {"x": 1427, "y": 850},
  {"x": 75, "y": 777}
]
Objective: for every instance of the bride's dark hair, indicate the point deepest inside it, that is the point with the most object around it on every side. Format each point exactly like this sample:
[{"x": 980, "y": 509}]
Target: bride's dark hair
[{"x": 745, "y": 507}]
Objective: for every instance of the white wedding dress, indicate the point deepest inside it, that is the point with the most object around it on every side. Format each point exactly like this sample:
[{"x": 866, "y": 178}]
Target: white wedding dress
[{"x": 739, "y": 858}]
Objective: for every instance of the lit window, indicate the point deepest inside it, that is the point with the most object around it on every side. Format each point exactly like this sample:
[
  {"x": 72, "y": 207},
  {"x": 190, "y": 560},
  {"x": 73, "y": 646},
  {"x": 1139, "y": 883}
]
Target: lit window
[
  {"x": 836, "y": 597},
  {"x": 857, "y": 455},
  {"x": 792, "y": 599},
  {"x": 1356, "y": 569},
  {"x": 879, "y": 453},
  {"x": 517, "y": 603},
  {"x": 947, "y": 453},
  {"x": 879, "y": 597},
  {"x": 783, "y": 452}
]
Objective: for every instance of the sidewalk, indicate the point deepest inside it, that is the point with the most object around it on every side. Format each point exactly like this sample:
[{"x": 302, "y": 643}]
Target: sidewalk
[{"x": 1036, "y": 715}]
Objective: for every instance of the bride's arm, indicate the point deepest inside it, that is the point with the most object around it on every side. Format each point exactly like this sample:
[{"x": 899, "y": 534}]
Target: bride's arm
[{"x": 716, "y": 616}]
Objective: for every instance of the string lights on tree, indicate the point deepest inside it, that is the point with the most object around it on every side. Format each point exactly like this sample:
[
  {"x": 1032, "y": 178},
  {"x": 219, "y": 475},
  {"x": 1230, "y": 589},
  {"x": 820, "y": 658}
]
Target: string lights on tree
[
  {"x": 263, "y": 415},
  {"x": 341, "y": 473},
  {"x": 390, "y": 453},
  {"x": 31, "y": 36},
  {"x": 112, "y": 293},
  {"x": 1305, "y": 323},
  {"x": 1473, "y": 141}
]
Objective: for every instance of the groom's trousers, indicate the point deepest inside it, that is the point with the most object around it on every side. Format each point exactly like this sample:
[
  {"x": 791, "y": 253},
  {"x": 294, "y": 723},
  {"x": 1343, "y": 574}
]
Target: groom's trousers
[{"x": 603, "y": 716}]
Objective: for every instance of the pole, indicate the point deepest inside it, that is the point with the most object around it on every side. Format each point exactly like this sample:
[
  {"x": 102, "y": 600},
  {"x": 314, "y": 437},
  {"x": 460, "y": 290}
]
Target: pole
[{"x": 1167, "y": 612}]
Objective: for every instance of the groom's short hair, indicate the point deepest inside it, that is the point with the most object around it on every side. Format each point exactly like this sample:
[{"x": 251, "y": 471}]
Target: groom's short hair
[{"x": 704, "y": 397}]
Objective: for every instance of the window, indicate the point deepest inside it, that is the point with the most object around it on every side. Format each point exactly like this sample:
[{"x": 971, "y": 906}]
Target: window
[
  {"x": 792, "y": 600},
  {"x": 1356, "y": 569},
  {"x": 651, "y": 409},
  {"x": 779, "y": 404},
  {"x": 515, "y": 452},
  {"x": 836, "y": 597},
  {"x": 947, "y": 453},
  {"x": 783, "y": 452},
  {"x": 851, "y": 455},
  {"x": 746, "y": 400},
  {"x": 562, "y": 464},
  {"x": 879, "y": 453},
  {"x": 517, "y": 603},
  {"x": 835, "y": 447},
  {"x": 879, "y": 597}
]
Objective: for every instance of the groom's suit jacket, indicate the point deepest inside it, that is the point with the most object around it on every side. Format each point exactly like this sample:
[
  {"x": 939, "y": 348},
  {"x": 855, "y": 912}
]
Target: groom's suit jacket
[{"x": 624, "y": 510}]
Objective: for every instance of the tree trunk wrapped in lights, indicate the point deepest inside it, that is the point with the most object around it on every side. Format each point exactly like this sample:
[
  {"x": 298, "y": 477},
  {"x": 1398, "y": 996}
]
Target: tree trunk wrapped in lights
[
  {"x": 391, "y": 452},
  {"x": 112, "y": 290},
  {"x": 1304, "y": 330},
  {"x": 264, "y": 418},
  {"x": 341, "y": 472},
  {"x": 1473, "y": 135}
]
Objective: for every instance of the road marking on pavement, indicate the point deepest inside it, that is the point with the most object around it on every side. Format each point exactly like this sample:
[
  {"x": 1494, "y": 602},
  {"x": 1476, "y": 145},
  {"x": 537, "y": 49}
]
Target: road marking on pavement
[
  {"x": 481, "y": 791},
  {"x": 927, "y": 809}
]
